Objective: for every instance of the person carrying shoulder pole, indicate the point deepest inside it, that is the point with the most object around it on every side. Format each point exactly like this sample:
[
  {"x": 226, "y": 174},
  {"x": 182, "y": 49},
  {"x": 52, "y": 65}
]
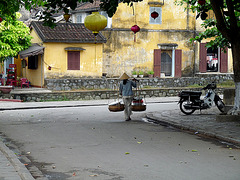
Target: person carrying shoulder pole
[{"x": 125, "y": 90}]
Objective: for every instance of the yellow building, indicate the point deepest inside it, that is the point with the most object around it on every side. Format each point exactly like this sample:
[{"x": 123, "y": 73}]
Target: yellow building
[
  {"x": 68, "y": 50},
  {"x": 162, "y": 44}
]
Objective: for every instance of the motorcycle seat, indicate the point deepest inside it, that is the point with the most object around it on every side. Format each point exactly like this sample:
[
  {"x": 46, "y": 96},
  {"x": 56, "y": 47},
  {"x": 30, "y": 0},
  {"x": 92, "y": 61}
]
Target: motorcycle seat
[{"x": 192, "y": 92}]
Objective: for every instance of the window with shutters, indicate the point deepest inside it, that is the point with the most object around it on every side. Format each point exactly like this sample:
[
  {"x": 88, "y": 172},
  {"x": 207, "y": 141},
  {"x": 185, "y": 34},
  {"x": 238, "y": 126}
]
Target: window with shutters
[
  {"x": 157, "y": 20},
  {"x": 73, "y": 60},
  {"x": 167, "y": 63},
  {"x": 212, "y": 60}
]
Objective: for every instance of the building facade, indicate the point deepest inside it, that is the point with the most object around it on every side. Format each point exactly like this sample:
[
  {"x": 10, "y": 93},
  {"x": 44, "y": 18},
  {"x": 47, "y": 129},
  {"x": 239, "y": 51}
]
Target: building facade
[
  {"x": 68, "y": 50},
  {"x": 162, "y": 44}
]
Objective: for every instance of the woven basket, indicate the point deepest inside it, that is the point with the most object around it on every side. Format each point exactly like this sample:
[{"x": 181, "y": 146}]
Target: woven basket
[
  {"x": 139, "y": 107},
  {"x": 116, "y": 108}
]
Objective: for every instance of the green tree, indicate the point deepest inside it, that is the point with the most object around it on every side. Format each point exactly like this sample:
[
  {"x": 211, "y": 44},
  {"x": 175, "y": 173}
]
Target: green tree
[
  {"x": 224, "y": 28},
  {"x": 14, "y": 37}
]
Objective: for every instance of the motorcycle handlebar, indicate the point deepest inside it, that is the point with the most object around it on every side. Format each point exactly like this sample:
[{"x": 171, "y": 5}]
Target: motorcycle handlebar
[{"x": 210, "y": 86}]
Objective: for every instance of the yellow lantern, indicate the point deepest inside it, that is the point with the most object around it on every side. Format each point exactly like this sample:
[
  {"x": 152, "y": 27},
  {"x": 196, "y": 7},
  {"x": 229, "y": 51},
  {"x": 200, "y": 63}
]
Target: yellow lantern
[{"x": 95, "y": 22}]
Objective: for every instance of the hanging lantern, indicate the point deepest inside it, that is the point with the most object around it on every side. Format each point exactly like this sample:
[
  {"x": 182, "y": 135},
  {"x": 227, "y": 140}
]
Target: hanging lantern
[
  {"x": 49, "y": 68},
  {"x": 66, "y": 17},
  {"x": 201, "y": 2},
  {"x": 1, "y": 19},
  {"x": 154, "y": 14},
  {"x": 95, "y": 22},
  {"x": 135, "y": 29}
]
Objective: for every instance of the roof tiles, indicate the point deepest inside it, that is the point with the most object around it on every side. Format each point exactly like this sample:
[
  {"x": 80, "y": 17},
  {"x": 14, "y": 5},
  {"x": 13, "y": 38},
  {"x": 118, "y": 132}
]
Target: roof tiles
[{"x": 67, "y": 32}]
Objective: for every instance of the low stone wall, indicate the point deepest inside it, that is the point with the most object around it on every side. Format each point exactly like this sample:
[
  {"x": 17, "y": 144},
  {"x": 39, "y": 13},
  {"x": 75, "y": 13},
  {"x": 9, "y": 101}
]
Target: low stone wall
[
  {"x": 111, "y": 83},
  {"x": 93, "y": 95}
]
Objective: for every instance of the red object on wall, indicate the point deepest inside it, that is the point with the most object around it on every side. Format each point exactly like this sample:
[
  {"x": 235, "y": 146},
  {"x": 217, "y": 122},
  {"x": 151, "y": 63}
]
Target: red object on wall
[
  {"x": 135, "y": 29},
  {"x": 49, "y": 68},
  {"x": 154, "y": 14},
  {"x": 201, "y": 2}
]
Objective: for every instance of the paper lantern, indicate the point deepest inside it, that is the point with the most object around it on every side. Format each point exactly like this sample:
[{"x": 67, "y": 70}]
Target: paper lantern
[
  {"x": 95, "y": 22},
  {"x": 135, "y": 29},
  {"x": 154, "y": 14},
  {"x": 1, "y": 19},
  {"x": 66, "y": 17}
]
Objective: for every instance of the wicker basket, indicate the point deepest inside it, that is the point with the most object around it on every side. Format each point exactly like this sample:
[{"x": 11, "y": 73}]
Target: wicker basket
[
  {"x": 116, "y": 108},
  {"x": 139, "y": 107}
]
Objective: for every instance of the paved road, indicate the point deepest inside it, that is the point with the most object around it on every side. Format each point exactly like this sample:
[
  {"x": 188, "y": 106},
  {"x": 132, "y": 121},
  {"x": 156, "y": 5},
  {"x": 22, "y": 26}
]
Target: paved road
[{"x": 92, "y": 143}]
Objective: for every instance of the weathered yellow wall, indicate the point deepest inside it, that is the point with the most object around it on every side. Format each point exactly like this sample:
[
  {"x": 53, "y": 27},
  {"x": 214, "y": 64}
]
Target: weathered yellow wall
[
  {"x": 56, "y": 57},
  {"x": 34, "y": 75},
  {"x": 121, "y": 53},
  {"x": 173, "y": 16}
]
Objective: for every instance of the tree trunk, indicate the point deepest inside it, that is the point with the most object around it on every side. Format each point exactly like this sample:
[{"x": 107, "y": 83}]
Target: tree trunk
[{"x": 236, "y": 69}]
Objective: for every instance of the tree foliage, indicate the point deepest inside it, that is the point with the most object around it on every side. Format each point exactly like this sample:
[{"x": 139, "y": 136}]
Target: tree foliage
[
  {"x": 14, "y": 37},
  {"x": 9, "y": 7}
]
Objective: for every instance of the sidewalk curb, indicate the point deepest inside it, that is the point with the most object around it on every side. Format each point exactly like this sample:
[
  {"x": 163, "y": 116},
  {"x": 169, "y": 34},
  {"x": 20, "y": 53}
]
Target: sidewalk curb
[
  {"x": 193, "y": 130},
  {"x": 22, "y": 171}
]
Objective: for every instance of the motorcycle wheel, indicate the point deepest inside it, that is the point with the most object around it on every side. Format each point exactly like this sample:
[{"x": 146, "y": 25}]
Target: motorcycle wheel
[
  {"x": 184, "y": 110},
  {"x": 220, "y": 105}
]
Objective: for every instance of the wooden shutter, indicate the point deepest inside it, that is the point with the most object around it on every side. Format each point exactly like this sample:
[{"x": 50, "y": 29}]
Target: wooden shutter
[
  {"x": 178, "y": 63},
  {"x": 224, "y": 61},
  {"x": 157, "y": 63},
  {"x": 203, "y": 58},
  {"x": 73, "y": 60}
]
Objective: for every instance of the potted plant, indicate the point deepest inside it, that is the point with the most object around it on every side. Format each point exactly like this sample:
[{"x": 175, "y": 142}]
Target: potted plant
[
  {"x": 150, "y": 74},
  {"x": 134, "y": 74},
  {"x": 5, "y": 89},
  {"x": 141, "y": 73}
]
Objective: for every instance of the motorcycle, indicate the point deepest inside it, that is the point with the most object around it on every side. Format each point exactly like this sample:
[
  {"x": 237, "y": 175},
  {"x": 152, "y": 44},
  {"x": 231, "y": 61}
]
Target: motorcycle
[{"x": 190, "y": 100}]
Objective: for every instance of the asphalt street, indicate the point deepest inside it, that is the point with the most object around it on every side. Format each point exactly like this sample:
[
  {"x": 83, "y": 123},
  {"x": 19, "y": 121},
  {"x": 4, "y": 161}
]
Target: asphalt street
[{"x": 83, "y": 140}]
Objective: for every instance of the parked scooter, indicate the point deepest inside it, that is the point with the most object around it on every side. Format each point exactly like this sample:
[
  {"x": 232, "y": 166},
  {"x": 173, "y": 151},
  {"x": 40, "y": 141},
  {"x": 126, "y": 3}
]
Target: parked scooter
[{"x": 190, "y": 100}]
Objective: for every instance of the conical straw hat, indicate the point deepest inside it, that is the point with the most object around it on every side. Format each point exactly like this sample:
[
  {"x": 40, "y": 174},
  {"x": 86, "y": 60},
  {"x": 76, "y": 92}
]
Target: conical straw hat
[{"x": 124, "y": 76}]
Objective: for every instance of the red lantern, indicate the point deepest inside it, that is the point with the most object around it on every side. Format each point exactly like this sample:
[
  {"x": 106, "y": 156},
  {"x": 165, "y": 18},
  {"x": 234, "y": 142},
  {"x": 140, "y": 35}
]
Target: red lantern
[
  {"x": 135, "y": 29},
  {"x": 201, "y": 2},
  {"x": 1, "y": 19},
  {"x": 154, "y": 14},
  {"x": 49, "y": 68}
]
